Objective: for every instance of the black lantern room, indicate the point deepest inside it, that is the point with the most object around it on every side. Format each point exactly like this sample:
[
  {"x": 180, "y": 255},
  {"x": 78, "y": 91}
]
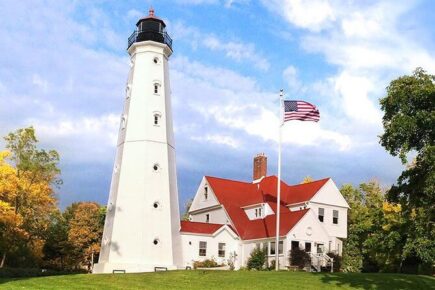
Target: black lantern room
[{"x": 150, "y": 28}]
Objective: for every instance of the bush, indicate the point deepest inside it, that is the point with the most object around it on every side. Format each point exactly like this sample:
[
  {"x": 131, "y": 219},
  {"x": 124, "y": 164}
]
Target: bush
[
  {"x": 208, "y": 263},
  {"x": 257, "y": 259},
  {"x": 299, "y": 258},
  {"x": 337, "y": 261}
]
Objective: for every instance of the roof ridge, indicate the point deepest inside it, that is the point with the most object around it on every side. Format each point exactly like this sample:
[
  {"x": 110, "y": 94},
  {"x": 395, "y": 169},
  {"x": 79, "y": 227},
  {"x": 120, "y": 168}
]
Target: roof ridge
[
  {"x": 311, "y": 182},
  {"x": 227, "y": 179}
]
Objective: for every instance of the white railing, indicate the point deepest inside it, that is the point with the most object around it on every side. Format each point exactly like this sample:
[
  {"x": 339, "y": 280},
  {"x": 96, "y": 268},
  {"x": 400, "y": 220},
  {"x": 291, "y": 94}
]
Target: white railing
[{"x": 320, "y": 260}]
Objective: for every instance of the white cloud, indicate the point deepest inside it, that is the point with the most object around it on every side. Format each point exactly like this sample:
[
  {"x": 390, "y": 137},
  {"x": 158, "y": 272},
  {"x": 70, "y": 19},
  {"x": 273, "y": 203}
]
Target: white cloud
[
  {"x": 368, "y": 45},
  {"x": 229, "y": 101},
  {"x": 313, "y": 15},
  {"x": 86, "y": 138},
  {"x": 217, "y": 139},
  {"x": 235, "y": 50},
  {"x": 290, "y": 75}
]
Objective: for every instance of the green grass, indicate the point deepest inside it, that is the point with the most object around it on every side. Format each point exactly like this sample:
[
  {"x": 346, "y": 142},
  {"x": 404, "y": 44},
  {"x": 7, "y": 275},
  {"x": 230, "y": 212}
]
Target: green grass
[{"x": 206, "y": 280}]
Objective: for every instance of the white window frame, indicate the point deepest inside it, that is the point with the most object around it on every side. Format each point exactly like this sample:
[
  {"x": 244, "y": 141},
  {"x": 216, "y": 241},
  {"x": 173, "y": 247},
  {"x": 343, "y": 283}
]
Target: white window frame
[
  {"x": 221, "y": 250},
  {"x": 335, "y": 218},
  {"x": 321, "y": 209},
  {"x": 202, "y": 249}
]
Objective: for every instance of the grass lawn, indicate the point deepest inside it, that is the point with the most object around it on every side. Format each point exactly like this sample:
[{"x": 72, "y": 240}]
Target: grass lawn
[{"x": 206, "y": 280}]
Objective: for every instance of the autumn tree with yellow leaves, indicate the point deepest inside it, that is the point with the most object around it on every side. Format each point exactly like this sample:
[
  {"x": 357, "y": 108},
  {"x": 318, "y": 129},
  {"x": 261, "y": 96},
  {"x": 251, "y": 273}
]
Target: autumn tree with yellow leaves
[{"x": 27, "y": 179}]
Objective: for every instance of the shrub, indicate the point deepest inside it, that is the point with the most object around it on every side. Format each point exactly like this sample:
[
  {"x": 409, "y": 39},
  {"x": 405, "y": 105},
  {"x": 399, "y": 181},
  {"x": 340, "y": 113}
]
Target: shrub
[
  {"x": 208, "y": 263},
  {"x": 299, "y": 258},
  {"x": 231, "y": 261},
  {"x": 337, "y": 261},
  {"x": 257, "y": 259}
]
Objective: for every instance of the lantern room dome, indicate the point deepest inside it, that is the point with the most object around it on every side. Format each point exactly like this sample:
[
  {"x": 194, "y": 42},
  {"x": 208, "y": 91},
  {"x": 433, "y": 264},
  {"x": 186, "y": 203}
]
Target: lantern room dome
[{"x": 150, "y": 28}]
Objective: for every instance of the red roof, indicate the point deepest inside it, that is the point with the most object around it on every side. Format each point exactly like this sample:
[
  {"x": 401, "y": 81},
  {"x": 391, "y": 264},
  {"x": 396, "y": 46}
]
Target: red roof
[
  {"x": 234, "y": 195},
  {"x": 199, "y": 228}
]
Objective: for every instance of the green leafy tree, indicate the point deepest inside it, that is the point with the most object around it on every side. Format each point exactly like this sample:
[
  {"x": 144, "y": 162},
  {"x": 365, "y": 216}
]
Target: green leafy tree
[{"x": 409, "y": 124}]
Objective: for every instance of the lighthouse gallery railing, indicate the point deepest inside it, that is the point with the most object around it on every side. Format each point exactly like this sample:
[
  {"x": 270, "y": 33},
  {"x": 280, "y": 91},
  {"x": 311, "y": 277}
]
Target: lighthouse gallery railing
[{"x": 143, "y": 35}]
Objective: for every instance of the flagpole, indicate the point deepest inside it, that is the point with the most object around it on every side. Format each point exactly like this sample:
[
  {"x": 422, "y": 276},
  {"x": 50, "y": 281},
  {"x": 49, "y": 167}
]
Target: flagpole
[{"x": 278, "y": 197}]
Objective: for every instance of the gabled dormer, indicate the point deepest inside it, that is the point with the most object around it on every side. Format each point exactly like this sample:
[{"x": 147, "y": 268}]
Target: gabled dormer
[
  {"x": 204, "y": 197},
  {"x": 257, "y": 211}
]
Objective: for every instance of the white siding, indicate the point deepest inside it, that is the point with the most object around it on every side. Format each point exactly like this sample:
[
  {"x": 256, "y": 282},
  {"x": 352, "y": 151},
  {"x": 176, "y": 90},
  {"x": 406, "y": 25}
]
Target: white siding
[
  {"x": 335, "y": 230},
  {"x": 200, "y": 201},
  {"x": 217, "y": 216},
  {"x": 190, "y": 246}
]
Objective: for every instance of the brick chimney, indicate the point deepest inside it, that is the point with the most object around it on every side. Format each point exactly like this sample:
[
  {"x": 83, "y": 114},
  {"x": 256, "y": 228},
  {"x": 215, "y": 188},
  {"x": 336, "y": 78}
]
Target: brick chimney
[{"x": 260, "y": 166}]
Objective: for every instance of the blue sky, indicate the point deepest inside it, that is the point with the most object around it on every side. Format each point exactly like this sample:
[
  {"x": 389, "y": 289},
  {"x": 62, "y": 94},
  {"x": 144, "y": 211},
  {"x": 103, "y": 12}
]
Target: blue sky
[{"x": 63, "y": 68}]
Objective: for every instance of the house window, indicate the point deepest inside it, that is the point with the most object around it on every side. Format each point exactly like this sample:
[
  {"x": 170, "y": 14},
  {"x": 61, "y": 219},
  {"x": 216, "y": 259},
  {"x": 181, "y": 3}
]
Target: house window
[
  {"x": 259, "y": 212},
  {"x": 295, "y": 245},
  {"x": 321, "y": 214},
  {"x": 256, "y": 212},
  {"x": 207, "y": 218},
  {"x": 202, "y": 249},
  {"x": 221, "y": 249},
  {"x": 205, "y": 193},
  {"x": 335, "y": 216},
  {"x": 308, "y": 247},
  {"x": 280, "y": 248}
]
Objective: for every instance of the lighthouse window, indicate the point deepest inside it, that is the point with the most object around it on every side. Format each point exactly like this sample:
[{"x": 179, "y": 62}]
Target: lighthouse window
[
  {"x": 123, "y": 121},
  {"x": 156, "y": 119},
  {"x": 156, "y": 167},
  {"x": 156, "y": 60},
  {"x": 156, "y": 205},
  {"x": 156, "y": 88},
  {"x": 156, "y": 242}
]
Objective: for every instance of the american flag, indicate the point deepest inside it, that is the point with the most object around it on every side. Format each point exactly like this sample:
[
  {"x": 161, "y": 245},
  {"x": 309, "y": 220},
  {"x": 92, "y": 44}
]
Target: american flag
[{"x": 300, "y": 110}]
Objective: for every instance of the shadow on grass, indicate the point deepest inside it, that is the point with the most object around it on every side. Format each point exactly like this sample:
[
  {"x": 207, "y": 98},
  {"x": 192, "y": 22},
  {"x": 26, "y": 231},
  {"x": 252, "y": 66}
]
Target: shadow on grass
[{"x": 379, "y": 281}]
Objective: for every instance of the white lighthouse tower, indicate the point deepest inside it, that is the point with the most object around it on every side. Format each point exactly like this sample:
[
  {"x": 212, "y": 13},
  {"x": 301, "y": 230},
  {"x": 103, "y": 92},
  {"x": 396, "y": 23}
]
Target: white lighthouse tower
[{"x": 142, "y": 225}]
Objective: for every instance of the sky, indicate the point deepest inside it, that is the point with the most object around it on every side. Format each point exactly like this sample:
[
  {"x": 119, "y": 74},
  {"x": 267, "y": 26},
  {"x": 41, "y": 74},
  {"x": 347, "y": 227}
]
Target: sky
[{"x": 64, "y": 65}]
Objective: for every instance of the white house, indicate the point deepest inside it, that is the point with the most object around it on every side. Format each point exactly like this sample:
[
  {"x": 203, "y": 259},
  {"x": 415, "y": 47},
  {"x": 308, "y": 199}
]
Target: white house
[{"x": 229, "y": 216}]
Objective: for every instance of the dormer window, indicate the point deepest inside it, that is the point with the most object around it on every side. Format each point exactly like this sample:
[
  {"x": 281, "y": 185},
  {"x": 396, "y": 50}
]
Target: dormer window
[{"x": 258, "y": 212}]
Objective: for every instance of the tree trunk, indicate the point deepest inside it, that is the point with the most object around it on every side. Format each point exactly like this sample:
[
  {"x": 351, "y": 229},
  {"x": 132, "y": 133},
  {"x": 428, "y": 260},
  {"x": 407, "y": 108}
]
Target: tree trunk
[{"x": 2, "y": 263}]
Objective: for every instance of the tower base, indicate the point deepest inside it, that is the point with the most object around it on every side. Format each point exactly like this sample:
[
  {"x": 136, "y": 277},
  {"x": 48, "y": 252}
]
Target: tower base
[{"x": 110, "y": 268}]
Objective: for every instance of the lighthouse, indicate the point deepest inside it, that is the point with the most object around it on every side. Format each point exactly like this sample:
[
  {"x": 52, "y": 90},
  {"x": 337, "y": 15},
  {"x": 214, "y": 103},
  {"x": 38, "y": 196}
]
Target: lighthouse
[{"x": 142, "y": 225}]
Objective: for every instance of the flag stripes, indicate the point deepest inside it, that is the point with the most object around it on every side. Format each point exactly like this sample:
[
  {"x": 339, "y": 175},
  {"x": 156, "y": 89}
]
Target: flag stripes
[{"x": 300, "y": 110}]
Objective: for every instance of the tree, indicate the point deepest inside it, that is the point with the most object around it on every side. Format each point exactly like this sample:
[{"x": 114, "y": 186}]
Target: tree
[
  {"x": 27, "y": 194},
  {"x": 85, "y": 231},
  {"x": 307, "y": 179},
  {"x": 409, "y": 123},
  {"x": 187, "y": 205}
]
